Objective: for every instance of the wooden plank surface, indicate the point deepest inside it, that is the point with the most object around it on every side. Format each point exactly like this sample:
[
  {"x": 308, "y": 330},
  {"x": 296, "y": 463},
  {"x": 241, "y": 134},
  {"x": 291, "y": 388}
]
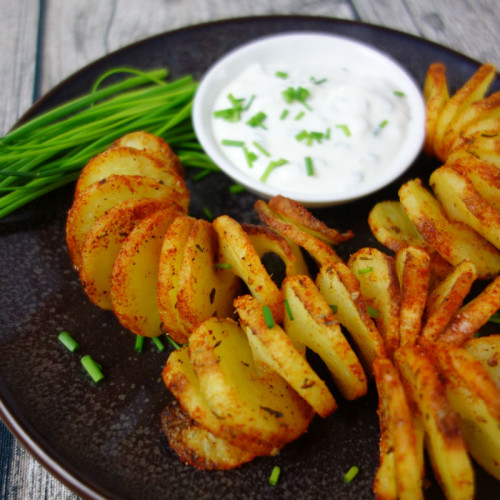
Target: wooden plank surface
[{"x": 43, "y": 42}]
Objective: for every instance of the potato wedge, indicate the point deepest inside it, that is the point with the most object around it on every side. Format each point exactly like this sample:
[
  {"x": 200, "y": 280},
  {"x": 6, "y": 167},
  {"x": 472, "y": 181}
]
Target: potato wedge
[
  {"x": 398, "y": 433},
  {"x": 237, "y": 250},
  {"x": 473, "y": 90},
  {"x": 274, "y": 348},
  {"x": 381, "y": 291},
  {"x": 413, "y": 271},
  {"x": 197, "y": 446},
  {"x": 463, "y": 203},
  {"x": 295, "y": 213},
  {"x": 152, "y": 145},
  {"x": 476, "y": 400},
  {"x": 320, "y": 251},
  {"x": 341, "y": 290},
  {"x": 169, "y": 269},
  {"x": 313, "y": 323},
  {"x": 446, "y": 298},
  {"x": 100, "y": 197},
  {"x": 203, "y": 289},
  {"x": 264, "y": 240},
  {"x": 473, "y": 315},
  {"x": 134, "y": 275},
  {"x": 436, "y": 96},
  {"x": 260, "y": 406},
  {"x": 454, "y": 241},
  {"x": 129, "y": 161},
  {"x": 392, "y": 228},
  {"x": 487, "y": 351},
  {"x": 103, "y": 242},
  {"x": 443, "y": 438}
]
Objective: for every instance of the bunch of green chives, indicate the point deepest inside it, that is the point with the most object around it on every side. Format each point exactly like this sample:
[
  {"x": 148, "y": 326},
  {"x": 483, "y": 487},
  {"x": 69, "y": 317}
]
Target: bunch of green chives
[{"x": 50, "y": 150}]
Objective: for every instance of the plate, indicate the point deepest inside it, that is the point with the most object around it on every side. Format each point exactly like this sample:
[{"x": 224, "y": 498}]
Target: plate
[{"x": 105, "y": 441}]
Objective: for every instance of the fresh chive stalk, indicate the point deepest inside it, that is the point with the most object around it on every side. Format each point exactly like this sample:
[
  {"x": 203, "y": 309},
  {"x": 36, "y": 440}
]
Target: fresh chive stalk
[
  {"x": 173, "y": 342},
  {"x": 264, "y": 151},
  {"x": 230, "y": 142},
  {"x": 373, "y": 313},
  {"x": 223, "y": 265},
  {"x": 208, "y": 213},
  {"x": 365, "y": 270},
  {"x": 275, "y": 474},
  {"x": 236, "y": 188},
  {"x": 272, "y": 165},
  {"x": 139, "y": 343},
  {"x": 351, "y": 474},
  {"x": 92, "y": 368},
  {"x": 68, "y": 341},
  {"x": 268, "y": 316},
  {"x": 159, "y": 344},
  {"x": 288, "y": 309},
  {"x": 309, "y": 166},
  {"x": 495, "y": 318}
]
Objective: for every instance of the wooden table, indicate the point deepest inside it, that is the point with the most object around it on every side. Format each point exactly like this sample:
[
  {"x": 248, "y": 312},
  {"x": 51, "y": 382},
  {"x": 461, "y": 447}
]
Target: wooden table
[{"x": 43, "y": 42}]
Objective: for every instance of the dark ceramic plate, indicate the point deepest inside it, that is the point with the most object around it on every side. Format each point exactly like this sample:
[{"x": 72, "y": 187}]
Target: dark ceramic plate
[{"x": 106, "y": 441}]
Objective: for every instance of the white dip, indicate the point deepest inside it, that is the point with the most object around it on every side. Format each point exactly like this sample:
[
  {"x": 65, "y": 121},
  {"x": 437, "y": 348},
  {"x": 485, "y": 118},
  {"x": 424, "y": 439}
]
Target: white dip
[{"x": 348, "y": 129}]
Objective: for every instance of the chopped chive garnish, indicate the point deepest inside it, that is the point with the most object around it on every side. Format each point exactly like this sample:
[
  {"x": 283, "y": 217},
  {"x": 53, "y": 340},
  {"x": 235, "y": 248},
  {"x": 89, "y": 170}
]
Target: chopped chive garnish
[
  {"x": 261, "y": 149},
  {"x": 237, "y": 103},
  {"x": 344, "y": 128},
  {"x": 327, "y": 133},
  {"x": 300, "y": 115},
  {"x": 173, "y": 342},
  {"x": 230, "y": 142},
  {"x": 159, "y": 344},
  {"x": 288, "y": 309},
  {"x": 334, "y": 308},
  {"x": 139, "y": 343},
  {"x": 275, "y": 474},
  {"x": 268, "y": 316},
  {"x": 365, "y": 270},
  {"x": 228, "y": 114},
  {"x": 223, "y": 265},
  {"x": 257, "y": 120},
  {"x": 309, "y": 166},
  {"x": 495, "y": 318},
  {"x": 380, "y": 126},
  {"x": 351, "y": 474},
  {"x": 236, "y": 188},
  {"x": 284, "y": 114},
  {"x": 302, "y": 135},
  {"x": 372, "y": 312},
  {"x": 68, "y": 341},
  {"x": 299, "y": 94},
  {"x": 92, "y": 368},
  {"x": 272, "y": 165},
  {"x": 281, "y": 74},
  {"x": 310, "y": 137},
  {"x": 249, "y": 103},
  {"x": 398, "y": 93},
  {"x": 208, "y": 213},
  {"x": 250, "y": 156},
  {"x": 318, "y": 82}
]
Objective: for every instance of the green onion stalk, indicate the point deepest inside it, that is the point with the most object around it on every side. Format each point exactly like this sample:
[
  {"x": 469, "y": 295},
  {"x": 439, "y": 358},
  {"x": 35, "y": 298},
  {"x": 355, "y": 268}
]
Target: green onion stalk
[{"x": 50, "y": 150}]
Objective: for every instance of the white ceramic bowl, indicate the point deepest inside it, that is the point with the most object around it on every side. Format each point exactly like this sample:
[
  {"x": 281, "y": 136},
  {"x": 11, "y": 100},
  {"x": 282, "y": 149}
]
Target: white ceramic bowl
[{"x": 293, "y": 48}]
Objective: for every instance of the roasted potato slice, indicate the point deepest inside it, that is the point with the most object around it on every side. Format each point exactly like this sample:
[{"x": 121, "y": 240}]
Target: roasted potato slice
[
  {"x": 341, "y": 290},
  {"x": 320, "y": 251},
  {"x": 476, "y": 400},
  {"x": 381, "y": 291},
  {"x": 399, "y": 435},
  {"x": 473, "y": 315},
  {"x": 273, "y": 347},
  {"x": 313, "y": 323},
  {"x": 455, "y": 241},
  {"x": 134, "y": 275},
  {"x": 103, "y": 242},
  {"x": 154, "y": 146},
  {"x": 265, "y": 241},
  {"x": 169, "y": 270},
  {"x": 100, "y": 197},
  {"x": 196, "y": 445},
  {"x": 446, "y": 298},
  {"x": 129, "y": 161},
  {"x": 392, "y": 228},
  {"x": 436, "y": 96},
  {"x": 463, "y": 203},
  {"x": 259, "y": 405},
  {"x": 413, "y": 271},
  {"x": 237, "y": 250},
  {"x": 473, "y": 90},
  {"x": 443, "y": 438},
  {"x": 295, "y": 213},
  {"x": 487, "y": 351},
  {"x": 203, "y": 289}
]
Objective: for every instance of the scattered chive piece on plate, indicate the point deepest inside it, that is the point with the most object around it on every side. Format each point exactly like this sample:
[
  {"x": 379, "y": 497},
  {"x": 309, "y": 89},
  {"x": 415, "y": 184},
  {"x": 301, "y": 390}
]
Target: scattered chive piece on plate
[
  {"x": 365, "y": 270},
  {"x": 159, "y": 344},
  {"x": 173, "y": 342},
  {"x": 309, "y": 166},
  {"x": 334, "y": 308},
  {"x": 351, "y": 474},
  {"x": 92, "y": 368},
  {"x": 139, "y": 343},
  {"x": 275, "y": 474},
  {"x": 373, "y": 313},
  {"x": 230, "y": 142},
  {"x": 261, "y": 149},
  {"x": 236, "y": 188},
  {"x": 495, "y": 318},
  {"x": 68, "y": 341},
  {"x": 288, "y": 309},
  {"x": 268, "y": 316},
  {"x": 202, "y": 174},
  {"x": 208, "y": 213}
]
